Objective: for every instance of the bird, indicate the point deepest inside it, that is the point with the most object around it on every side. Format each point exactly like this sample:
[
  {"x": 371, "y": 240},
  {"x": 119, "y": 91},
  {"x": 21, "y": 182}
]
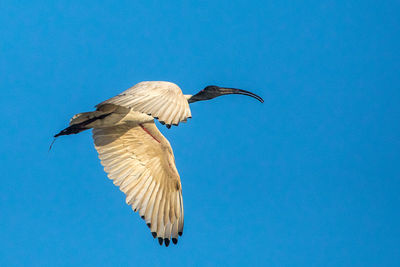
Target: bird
[{"x": 136, "y": 156}]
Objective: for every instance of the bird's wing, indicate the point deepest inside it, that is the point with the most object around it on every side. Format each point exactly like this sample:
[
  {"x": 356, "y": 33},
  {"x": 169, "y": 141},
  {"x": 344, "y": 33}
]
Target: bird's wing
[
  {"x": 162, "y": 100},
  {"x": 140, "y": 161}
]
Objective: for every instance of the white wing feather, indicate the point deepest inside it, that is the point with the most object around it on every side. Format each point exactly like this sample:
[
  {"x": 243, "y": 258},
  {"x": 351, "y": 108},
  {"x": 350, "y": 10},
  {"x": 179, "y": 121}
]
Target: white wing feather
[
  {"x": 162, "y": 100},
  {"x": 140, "y": 161}
]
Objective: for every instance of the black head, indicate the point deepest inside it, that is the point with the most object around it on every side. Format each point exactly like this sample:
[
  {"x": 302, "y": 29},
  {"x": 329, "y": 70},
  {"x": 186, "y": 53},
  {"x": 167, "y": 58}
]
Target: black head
[{"x": 213, "y": 91}]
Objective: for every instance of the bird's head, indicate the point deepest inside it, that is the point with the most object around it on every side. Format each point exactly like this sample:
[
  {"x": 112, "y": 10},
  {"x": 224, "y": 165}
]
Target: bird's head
[{"x": 213, "y": 91}]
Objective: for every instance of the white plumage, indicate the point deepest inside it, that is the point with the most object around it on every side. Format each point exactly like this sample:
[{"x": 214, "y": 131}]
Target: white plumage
[
  {"x": 136, "y": 156},
  {"x": 143, "y": 167},
  {"x": 161, "y": 100}
]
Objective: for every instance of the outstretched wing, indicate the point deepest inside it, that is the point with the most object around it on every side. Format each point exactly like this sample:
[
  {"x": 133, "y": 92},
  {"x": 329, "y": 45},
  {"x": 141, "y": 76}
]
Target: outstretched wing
[
  {"x": 140, "y": 161},
  {"x": 162, "y": 100}
]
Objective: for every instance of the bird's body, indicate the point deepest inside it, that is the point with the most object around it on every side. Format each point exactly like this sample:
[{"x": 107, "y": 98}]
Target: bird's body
[{"x": 136, "y": 156}]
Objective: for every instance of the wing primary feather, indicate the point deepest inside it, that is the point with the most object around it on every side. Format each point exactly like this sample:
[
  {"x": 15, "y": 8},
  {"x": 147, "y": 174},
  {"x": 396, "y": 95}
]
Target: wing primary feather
[
  {"x": 145, "y": 170},
  {"x": 143, "y": 204},
  {"x": 149, "y": 211},
  {"x": 143, "y": 189},
  {"x": 180, "y": 230},
  {"x": 155, "y": 213},
  {"x": 160, "y": 219}
]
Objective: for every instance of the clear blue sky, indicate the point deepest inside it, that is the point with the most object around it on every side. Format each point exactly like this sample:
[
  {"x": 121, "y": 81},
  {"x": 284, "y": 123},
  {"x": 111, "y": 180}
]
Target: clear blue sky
[{"x": 309, "y": 178}]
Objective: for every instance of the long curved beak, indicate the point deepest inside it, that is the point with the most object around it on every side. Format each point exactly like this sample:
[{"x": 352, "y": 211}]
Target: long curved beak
[{"x": 234, "y": 91}]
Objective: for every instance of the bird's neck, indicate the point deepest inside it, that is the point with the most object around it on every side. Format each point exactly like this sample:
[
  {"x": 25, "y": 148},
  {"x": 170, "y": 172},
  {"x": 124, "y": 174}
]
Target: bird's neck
[{"x": 188, "y": 97}]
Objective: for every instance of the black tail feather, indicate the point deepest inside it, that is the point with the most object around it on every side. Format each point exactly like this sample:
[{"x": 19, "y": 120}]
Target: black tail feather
[
  {"x": 80, "y": 127},
  {"x": 73, "y": 129}
]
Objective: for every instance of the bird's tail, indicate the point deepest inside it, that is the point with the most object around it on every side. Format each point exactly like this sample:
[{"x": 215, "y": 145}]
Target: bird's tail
[
  {"x": 83, "y": 121},
  {"x": 80, "y": 122},
  {"x": 73, "y": 129}
]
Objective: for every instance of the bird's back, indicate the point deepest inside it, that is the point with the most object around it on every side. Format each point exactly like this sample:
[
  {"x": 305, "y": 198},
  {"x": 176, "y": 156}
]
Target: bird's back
[{"x": 162, "y": 100}]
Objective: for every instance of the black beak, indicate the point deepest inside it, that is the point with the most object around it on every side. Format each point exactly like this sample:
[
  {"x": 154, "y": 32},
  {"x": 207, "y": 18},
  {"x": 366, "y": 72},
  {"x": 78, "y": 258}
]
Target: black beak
[
  {"x": 234, "y": 91},
  {"x": 213, "y": 91}
]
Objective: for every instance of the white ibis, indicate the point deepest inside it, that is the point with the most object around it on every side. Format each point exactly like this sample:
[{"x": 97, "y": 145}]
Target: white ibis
[{"x": 136, "y": 156}]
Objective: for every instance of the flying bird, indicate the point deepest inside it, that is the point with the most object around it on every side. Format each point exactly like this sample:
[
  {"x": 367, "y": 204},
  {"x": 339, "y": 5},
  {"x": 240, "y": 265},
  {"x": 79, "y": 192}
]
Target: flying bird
[{"x": 136, "y": 156}]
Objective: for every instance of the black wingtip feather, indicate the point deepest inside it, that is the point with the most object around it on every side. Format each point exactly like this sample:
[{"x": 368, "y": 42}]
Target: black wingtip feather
[
  {"x": 175, "y": 241},
  {"x": 154, "y": 234},
  {"x": 160, "y": 241},
  {"x": 166, "y": 241},
  {"x": 148, "y": 225},
  {"x": 180, "y": 233}
]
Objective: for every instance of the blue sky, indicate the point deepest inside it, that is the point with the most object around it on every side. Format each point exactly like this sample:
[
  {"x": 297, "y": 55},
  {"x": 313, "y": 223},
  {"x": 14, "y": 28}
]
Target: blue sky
[{"x": 309, "y": 178}]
